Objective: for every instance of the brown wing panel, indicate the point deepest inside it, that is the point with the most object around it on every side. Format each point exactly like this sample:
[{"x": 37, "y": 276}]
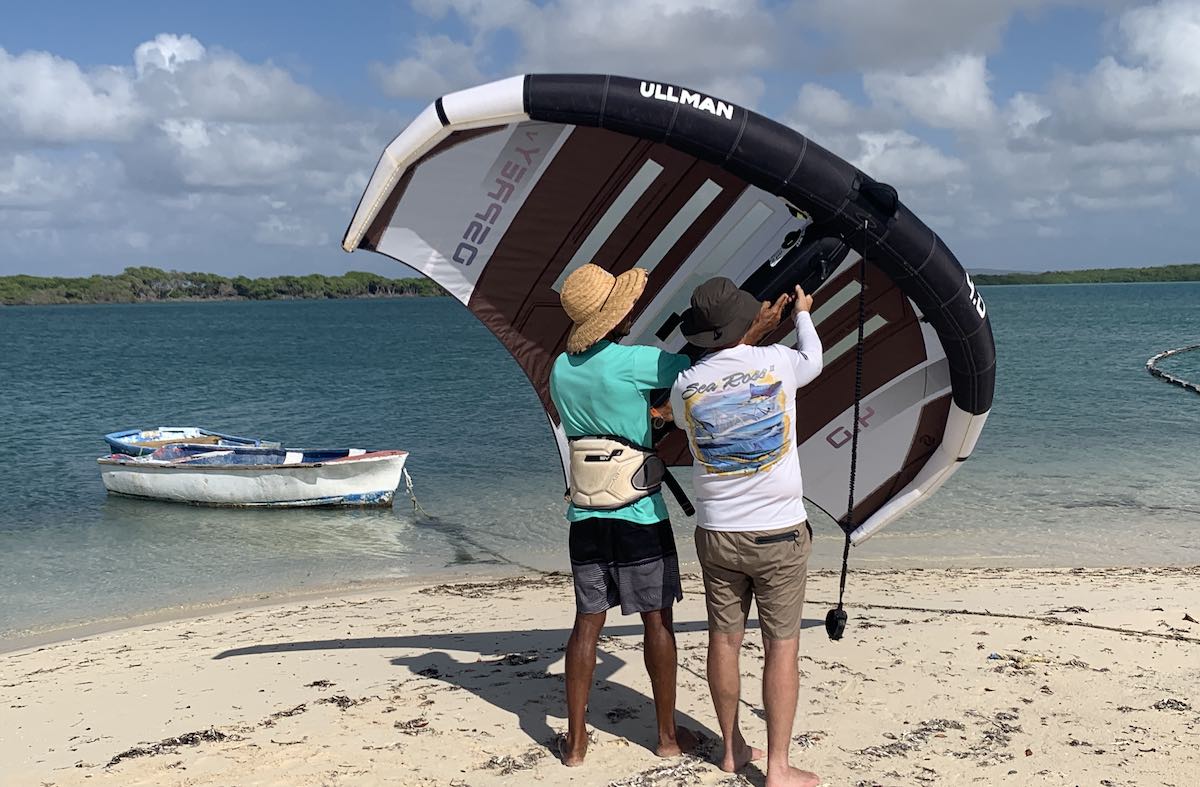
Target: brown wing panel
[
  {"x": 926, "y": 439},
  {"x": 514, "y": 295},
  {"x": 888, "y": 352}
]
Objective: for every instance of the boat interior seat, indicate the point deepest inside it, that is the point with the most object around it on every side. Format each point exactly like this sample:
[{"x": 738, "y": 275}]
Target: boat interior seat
[{"x": 207, "y": 439}]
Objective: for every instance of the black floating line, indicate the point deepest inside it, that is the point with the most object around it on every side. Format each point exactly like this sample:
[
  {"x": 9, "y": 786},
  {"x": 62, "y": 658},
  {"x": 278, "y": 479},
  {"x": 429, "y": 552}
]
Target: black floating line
[{"x": 1152, "y": 368}]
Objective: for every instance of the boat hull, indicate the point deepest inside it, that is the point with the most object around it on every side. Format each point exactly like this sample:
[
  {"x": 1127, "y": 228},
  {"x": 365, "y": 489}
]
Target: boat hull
[{"x": 366, "y": 480}]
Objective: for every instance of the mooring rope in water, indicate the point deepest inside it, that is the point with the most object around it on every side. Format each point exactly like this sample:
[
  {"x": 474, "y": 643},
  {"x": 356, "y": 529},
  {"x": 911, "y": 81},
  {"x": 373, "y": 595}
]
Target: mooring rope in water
[
  {"x": 412, "y": 495},
  {"x": 1152, "y": 367}
]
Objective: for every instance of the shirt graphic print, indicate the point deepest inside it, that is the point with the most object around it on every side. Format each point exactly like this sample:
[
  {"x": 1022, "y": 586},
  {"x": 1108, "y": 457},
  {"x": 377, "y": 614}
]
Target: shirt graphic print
[{"x": 743, "y": 426}]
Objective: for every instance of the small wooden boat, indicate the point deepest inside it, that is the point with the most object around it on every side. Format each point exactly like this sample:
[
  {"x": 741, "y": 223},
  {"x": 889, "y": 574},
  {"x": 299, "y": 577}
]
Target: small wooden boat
[
  {"x": 140, "y": 442},
  {"x": 257, "y": 476}
]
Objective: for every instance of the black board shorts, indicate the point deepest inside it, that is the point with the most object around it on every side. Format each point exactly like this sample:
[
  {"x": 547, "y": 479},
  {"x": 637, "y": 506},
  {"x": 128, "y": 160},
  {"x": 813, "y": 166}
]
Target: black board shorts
[{"x": 615, "y": 562}]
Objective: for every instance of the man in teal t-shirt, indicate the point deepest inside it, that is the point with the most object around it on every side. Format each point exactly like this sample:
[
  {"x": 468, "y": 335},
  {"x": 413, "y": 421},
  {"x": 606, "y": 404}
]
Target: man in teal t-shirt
[{"x": 620, "y": 556}]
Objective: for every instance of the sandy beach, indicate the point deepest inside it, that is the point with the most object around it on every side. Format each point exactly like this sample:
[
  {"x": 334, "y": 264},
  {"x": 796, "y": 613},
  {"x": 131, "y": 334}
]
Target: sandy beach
[{"x": 956, "y": 676}]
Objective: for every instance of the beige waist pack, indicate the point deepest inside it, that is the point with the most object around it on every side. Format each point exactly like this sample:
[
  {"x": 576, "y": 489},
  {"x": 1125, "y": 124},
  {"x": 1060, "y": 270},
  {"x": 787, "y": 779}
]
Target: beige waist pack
[{"x": 608, "y": 472}]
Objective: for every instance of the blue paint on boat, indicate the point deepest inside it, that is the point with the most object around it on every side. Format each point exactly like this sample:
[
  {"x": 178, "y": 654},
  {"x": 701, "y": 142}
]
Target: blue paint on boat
[
  {"x": 383, "y": 497},
  {"x": 250, "y": 455},
  {"x": 140, "y": 442}
]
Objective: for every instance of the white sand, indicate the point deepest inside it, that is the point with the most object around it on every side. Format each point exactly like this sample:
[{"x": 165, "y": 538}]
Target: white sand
[{"x": 462, "y": 686}]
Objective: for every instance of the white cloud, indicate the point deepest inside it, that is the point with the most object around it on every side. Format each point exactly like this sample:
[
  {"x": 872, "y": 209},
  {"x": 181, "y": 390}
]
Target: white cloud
[
  {"x": 437, "y": 66},
  {"x": 56, "y": 181},
  {"x": 822, "y": 107},
  {"x": 1125, "y": 202},
  {"x": 221, "y": 86},
  {"x": 479, "y": 14},
  {"x": 902, "y": 34},
  {"x": 1153, "y": 89},
  {"x": 166, "y": 52},
  {"x": 44, "y": 98},
  {"x": 711, "y": 45},
  {"x": 745, "y": 90},
  {"x": 227, "y": 155},
  {"x": 1023, "y": 113},
  {"x": 287, "y": 230},
  {"x": 202, "y": 151},
  {"x": 907, "y": 34},
  {"x": 952, "y": 94},
  {"x": 28, "y": 181},
  {"x": 1038, "y": 208},
  {"x": 901, "y": 159},
  {"x": 674, "y": 39}
]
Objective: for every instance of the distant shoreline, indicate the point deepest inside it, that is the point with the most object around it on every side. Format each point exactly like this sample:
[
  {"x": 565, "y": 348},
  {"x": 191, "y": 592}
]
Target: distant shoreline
[
  {"x": 1159, "y": 274},
  {"x": 153, "y": 285},
  {"x": 233, "y": 299}
]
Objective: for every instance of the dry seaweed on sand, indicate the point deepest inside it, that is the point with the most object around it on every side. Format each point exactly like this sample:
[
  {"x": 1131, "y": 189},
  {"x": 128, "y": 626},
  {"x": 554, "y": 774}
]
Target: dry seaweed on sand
[
  {"x": 283, "y": 714},
  {"x": 997, "y": 735},
  {"x": 498, "y": 587},
  {"x": 170, "y": 745},
  {"x": 413, "y": 726},
  {"x": 341, "y": 700},
  {"x": 809, "y": 739},
  {"x": 1170, "y": 703},
  {"x": 517, "y": 659},
  {"x": 621, "y": 713},
  {"x": 912, "y": 740},
  {"x": 508, "y": 764},
  {"x": 685, "y": 770},
  {"x": 1016, "y": 662}
]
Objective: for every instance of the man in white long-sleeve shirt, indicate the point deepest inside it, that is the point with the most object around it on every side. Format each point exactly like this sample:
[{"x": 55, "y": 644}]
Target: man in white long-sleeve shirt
[{"x": 738, "y": 407}]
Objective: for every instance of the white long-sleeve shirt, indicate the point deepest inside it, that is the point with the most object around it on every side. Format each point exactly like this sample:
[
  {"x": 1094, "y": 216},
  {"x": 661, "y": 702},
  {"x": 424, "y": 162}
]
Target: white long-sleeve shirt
[{"x": 738, "y": 408}]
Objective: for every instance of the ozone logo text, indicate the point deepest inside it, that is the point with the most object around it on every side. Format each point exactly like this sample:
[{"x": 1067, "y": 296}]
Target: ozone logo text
[
  {"x": 976, "y": 299},
  {"x": 841, "y": 435},
  {"x": 506, "y": 179}
]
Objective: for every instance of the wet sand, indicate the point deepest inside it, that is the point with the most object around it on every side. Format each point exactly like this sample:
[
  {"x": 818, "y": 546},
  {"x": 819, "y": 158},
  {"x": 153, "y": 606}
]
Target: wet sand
[{"x": 953, "y": 676}]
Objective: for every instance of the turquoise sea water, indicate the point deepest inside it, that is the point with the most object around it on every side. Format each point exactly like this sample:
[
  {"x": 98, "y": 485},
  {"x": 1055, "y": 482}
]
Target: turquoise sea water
[{"x": 1086, "y": 459}]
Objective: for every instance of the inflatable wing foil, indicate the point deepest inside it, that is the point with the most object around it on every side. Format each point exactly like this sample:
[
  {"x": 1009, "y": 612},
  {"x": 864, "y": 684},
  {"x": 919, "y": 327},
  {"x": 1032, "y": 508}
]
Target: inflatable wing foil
[{"x": 499, "y": 192}]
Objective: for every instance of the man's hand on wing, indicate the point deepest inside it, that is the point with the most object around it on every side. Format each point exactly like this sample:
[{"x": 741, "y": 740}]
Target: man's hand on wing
[{"x": 803, "y": 300}]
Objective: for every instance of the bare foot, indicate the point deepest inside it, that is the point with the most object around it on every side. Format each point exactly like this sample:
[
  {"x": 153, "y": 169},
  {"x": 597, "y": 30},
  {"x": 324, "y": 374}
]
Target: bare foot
[
  {"x": 741, "y": 755},
  {"x": 684, "y": 741},
  {"x": 572, "y": 752},
  {"x": 792, "y": 777}
]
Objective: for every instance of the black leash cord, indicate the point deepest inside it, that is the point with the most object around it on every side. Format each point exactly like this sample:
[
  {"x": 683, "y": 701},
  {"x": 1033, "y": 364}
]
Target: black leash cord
[{"x": 835, "y": 620}]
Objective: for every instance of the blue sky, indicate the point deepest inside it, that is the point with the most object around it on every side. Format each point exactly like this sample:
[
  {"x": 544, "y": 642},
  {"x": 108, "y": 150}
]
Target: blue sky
[{"x": 237, "y": 137}]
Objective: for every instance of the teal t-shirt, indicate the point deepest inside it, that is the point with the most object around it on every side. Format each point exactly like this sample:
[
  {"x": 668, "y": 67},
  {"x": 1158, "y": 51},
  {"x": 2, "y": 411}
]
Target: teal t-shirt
[{"x": 606, "y": 390}]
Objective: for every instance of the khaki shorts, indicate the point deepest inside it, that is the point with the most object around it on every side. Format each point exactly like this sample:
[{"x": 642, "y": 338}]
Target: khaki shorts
[{"x": 769, "y": 565}]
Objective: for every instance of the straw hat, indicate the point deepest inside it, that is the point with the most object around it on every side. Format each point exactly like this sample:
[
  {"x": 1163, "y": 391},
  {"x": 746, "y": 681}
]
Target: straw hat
[{"x": 596, "y": 301}]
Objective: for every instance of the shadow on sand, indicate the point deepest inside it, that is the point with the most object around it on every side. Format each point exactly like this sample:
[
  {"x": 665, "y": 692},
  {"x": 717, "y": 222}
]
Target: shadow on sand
[{"x": 508, "y": 669}]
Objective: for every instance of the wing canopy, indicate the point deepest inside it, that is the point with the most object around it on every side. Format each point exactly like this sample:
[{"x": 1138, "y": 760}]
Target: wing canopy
[{"x": 499, "y": 192}]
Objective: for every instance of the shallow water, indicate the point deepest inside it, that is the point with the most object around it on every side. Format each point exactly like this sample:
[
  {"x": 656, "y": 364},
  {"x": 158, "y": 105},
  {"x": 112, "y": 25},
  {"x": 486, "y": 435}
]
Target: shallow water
[{"x": 1085, "y": 460}]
